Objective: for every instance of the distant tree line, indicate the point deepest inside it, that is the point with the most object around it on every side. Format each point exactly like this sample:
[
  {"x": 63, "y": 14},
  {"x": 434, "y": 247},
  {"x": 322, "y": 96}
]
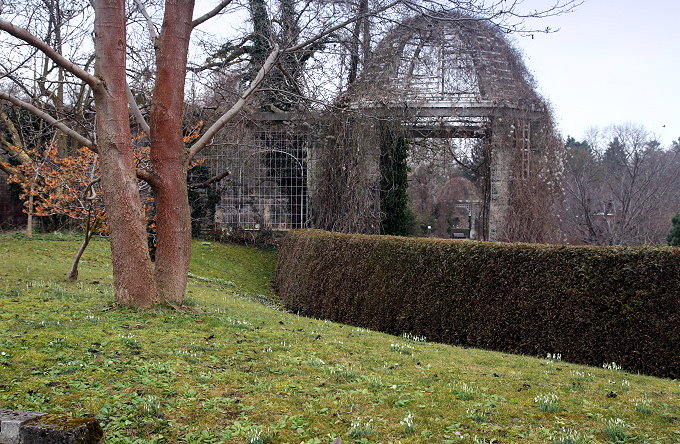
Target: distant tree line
[{"x": 620, "y": 187}]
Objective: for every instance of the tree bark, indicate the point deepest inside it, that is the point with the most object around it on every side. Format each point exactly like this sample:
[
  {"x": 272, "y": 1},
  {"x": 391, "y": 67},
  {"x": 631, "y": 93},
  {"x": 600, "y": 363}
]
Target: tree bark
[
  {"x": 168, "y": 153},
  {"x": 92, "y": 224},
  {"x": 73, "y": 274},
  {"x": 29, "y": 220},
  {"x": 132, "y": 268}
]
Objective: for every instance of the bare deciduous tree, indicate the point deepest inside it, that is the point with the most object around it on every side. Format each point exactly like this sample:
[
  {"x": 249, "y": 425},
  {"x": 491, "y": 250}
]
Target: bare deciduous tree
[
  {"x": 137, "y": 280},
  {"x": 621, "y": 187}
]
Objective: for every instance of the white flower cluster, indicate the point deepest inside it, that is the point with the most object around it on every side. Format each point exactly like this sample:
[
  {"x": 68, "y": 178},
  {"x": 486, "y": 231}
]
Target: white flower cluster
[
  {"x": 407, "y": 422},
  {"x": 616, "y": 422},
  {"x": 611, "y": 366},
  {"x": 546, "y": 398},
  {"x": 404, "y": 349},
  {"x": 414, "y": 338}
]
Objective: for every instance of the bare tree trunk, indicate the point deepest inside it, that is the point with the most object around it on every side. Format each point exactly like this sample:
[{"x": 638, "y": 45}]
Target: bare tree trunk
[
  {"x": 173, "y": 247},
  {"x": 91, "y": 227},
  {"x": 29, "y": 221},
  {"x": 73, "y": 274},
  {"x": 132, "y": 268},
  {"x": 357, "y": 34},
  {"x": 168, "y": 153}
]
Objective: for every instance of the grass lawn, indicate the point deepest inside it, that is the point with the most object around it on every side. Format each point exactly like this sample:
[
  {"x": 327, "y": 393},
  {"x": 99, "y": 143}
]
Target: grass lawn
[{"x": 234, "y": 369}]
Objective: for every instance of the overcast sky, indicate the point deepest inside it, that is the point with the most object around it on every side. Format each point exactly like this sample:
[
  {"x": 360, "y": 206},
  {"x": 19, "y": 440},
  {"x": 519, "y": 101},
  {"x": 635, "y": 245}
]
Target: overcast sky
[{"x": 612, "y": 61}]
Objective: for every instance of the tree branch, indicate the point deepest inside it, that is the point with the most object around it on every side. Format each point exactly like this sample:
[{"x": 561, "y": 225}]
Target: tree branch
[
  {"x": 11, "y": 171},
  {"x": 148, "y": 177},
  {"x": 90, "y": 194},
  {"x": 149, "y": 23},
  {"x": 240, "y": 103},
  {"x": 14, "y": 133},
  {"x": 16, "y": 152},
  {"x": 341, "y": 25},
  {"x": 51, "y": 120},
  {"x": 26, "y": 36},
  {"x": 212, "y": 13},
  {"x": 210, "y": 181},
  {"x": 238, "y": 52},
  {"x": 136, "y": 111},
  {"x": 290, "y": 78}
]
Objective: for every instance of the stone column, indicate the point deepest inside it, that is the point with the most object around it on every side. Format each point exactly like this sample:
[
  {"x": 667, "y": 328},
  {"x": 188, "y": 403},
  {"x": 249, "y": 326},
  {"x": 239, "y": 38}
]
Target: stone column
[{"x": 501, "y": 158}]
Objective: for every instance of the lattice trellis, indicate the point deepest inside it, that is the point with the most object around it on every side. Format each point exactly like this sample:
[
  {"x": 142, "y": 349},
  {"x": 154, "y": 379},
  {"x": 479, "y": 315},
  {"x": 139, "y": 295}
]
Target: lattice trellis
[{"x": 267, "y": 187}]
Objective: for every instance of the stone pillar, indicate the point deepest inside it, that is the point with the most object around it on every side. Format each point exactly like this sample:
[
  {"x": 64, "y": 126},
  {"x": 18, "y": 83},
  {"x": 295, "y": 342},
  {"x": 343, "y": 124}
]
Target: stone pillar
[{"x": 501, "y": 158}]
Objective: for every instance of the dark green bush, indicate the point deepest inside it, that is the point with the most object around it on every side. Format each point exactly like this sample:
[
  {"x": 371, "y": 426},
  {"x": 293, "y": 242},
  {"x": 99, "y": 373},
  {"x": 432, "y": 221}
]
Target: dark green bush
[
  {"x": 674, "y": 236},
  {"x": 591, "y": 304}
]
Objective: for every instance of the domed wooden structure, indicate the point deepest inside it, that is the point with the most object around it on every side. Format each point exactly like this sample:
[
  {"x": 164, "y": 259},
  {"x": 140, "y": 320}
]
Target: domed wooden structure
[
  {"x": 432, "y": 80},
  {"x": 447, "y": 61},
  {"x": 451, "y": 76}
]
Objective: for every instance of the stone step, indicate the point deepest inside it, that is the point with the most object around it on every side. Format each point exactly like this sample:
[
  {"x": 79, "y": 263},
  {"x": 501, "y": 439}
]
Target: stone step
[{"x": 21, "y": 427}]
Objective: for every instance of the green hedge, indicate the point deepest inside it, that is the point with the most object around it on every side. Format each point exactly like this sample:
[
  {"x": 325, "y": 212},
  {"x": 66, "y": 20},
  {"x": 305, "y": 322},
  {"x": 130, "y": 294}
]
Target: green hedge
[{"x": 591, "y": 304}]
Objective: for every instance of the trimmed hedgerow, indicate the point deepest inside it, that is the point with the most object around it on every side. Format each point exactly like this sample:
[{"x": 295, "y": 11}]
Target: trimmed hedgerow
[{"x": 593, "y": 305}]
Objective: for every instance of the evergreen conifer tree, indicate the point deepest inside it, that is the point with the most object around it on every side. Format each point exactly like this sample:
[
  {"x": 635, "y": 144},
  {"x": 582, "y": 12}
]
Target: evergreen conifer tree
[{"x": 674, "y": 236}]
